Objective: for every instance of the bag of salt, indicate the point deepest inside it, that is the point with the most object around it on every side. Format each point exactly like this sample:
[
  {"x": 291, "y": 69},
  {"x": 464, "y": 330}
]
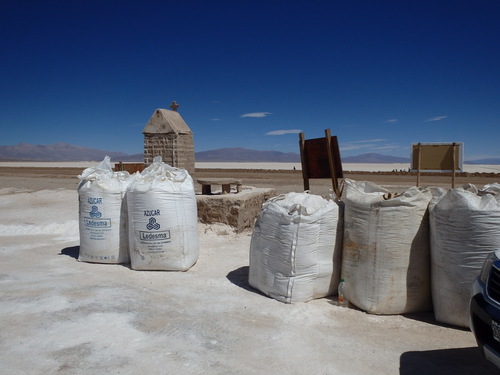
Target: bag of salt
[
  {"x": 295, "y": 248},
  {"x": 386, "y": 255},
  {"x": 465, "y": 228},
  {"x": 103, "y": 214},
  {"x": 163, "y": 219}
]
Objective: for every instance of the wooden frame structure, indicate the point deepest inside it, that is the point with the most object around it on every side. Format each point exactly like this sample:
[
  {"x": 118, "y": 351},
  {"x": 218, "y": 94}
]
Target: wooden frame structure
[
  {"x": 129, "y": 167},
  {"x": 320, "y": 158},
  {"x": 444, "y": 157}
]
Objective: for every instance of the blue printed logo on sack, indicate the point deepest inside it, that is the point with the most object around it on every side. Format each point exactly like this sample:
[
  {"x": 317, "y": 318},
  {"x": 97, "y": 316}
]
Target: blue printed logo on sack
[
  {"x": 163, "y": 236},
  {"x": 95, "y": 220},
  {"x": 94, "y": 212},
  {"x": 153, "y": 224}
]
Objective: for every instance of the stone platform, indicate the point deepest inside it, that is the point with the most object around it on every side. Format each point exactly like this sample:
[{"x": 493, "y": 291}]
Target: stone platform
[{"x": 237, "y": 210}]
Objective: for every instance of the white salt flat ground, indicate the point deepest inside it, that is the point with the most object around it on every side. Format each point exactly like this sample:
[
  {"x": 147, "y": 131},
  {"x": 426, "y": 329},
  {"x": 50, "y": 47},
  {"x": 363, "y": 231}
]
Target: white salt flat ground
[
  {"x": 363, "y": 167},
  {"x": 62, "y": 316}
]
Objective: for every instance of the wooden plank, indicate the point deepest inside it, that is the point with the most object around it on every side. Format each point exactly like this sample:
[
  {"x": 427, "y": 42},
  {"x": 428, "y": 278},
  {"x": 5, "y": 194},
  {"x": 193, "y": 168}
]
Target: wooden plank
[
  {"x": 219, "y": 181},
  {"x": 336, "y": 158},
  {"x": 129, "y": 167},
  {"x": 419, "y": 159},
  {"x": 454, "y": 163},
  {"x": 320, "y": 158},
  {"x": 304, "y": 162},
  {"x": 317, "y": 158},
  {"x": 436, "y": 157},
  {"x": 331, "y": 166}
]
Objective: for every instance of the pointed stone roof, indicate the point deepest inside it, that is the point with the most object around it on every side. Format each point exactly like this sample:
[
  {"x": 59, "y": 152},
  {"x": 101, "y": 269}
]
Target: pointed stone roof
[{"x": 166, "y": 121}]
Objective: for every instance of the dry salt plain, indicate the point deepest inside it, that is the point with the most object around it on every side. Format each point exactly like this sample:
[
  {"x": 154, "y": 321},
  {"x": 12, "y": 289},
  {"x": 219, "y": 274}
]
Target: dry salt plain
[
  {"x": 486, "y": 168},
  {"x": 61, "y": 316}
]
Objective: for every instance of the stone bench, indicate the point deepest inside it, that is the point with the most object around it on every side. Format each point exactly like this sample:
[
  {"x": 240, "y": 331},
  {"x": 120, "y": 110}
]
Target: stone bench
[{"x": 206, "y": 185}]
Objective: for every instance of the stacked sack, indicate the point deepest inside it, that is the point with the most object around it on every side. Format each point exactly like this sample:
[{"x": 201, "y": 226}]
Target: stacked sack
[
  {"x": 386, "y": 255},
  {"x": 465, "y": 228},
  {"x": 296, "y": 247},
  {"x": 103, "y": 214},
  {"x": 163, "y": 221}
]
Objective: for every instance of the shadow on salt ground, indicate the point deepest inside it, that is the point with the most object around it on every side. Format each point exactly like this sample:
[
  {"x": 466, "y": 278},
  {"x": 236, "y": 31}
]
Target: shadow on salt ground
[
  {"x": 460, "y": 361},
  {"x": 72, "y": 252},
  {"x": 428, "y": 317},
  {"x": 239, "y": 277}
]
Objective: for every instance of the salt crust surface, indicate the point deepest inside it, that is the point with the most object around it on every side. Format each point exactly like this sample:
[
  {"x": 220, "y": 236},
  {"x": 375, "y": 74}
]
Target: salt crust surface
[
  {"x": 365, "y": 167},
  {"x": 64, "y": 316}
]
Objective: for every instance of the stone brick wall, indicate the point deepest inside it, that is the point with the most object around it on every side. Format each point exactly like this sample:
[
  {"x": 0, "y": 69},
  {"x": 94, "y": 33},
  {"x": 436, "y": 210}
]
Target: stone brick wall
[
  {"x": 237, "y": 210},
  {"x": 177, "y": 150}
]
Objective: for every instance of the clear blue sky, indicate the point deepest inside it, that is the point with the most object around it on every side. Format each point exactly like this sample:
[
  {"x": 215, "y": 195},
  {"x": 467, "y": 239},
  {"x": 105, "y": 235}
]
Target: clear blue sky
[{"x": 380, "y": 74}]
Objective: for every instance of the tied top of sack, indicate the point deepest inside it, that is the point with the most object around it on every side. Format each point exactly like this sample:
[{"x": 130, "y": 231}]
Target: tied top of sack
[
  {"x": 302, "y": 203},
  {"x": 369, "y": 193},
  {"x": 104, "y": 177},
  {"x": 470, "y": 198},
  {"x": 161, "y": 176},
  {"x": 490, "y": 190}
]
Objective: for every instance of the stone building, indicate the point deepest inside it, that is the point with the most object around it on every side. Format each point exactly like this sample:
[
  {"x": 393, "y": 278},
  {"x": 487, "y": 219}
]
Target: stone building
[{"x": 167, "y": 135}]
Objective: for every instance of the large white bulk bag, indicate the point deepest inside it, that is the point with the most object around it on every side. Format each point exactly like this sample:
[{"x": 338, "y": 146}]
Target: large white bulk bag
[
  {"x": 163, "y": 219},
  {"x": 295, "y": 248},
  {"x": 103, "y": 214},
  {"x": 465, "y": 228},
  {"x": 385, "y": 259}
]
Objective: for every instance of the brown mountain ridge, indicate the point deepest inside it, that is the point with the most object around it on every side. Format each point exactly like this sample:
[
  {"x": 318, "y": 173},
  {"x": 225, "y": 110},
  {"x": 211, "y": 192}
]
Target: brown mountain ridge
[{"x": 68, "y": 152}]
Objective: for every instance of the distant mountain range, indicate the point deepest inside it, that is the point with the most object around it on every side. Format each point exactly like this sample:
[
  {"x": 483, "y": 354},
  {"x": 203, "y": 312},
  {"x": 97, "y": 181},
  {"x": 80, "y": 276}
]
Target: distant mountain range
[
  {"x": 68, "y": 152},
  {"x": 493, "y": 161},
  {"x": 247, "y": 155},
  {"x": 60, "y": 152}
]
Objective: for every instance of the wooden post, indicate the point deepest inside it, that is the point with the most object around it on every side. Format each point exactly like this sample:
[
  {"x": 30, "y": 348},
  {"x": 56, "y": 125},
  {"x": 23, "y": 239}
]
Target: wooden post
[
  {"x": 333, "y": 175},
  {"x": 453, "y": 166},
  {"x": 206, "y": 189},
  {"x": 419, "y": 158},
  {"x": 303, "y": 160}
]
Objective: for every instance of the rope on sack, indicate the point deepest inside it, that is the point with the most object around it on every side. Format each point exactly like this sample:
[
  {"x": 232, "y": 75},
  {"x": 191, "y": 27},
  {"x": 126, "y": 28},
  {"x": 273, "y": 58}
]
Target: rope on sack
[
  {"x": 297, "y": 207},
  {"x": 491, "y": 189},
  {"x": 277, "y": 198},
  {"x": 388, "y": 196}
]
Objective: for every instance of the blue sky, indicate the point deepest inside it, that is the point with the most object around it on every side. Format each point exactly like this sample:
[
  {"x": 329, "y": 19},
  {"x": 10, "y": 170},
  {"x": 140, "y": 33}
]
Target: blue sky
[{"x": 380, "y": 74}]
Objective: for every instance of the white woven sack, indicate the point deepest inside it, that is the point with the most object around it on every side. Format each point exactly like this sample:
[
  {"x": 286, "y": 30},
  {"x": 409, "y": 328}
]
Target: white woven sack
[
  {"x": 163, "y": 219},
  {"x": 465, "y": 228},
  {"x": 295, "y": 248},
  {"x": 385, "y": 259},
  {"x": 103, "y": 214}
]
